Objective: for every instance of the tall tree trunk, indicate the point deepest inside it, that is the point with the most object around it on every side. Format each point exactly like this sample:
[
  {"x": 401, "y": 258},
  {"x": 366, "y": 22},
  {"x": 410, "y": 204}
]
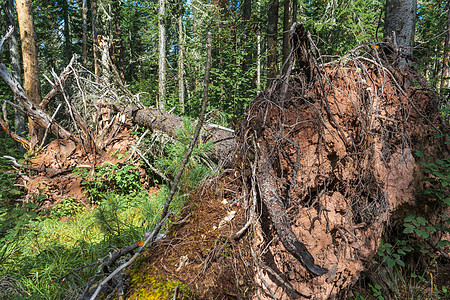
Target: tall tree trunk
[
  {"x": 399, "y": 23},
  {"x": 31, "y": 84},
  {"x": 248, "y": 58},
  {"x": 286, "y": 26},
  {"x": 84, "y": 29},
  {"x": 445, "y": 70},
  {"x": 95, "y": 37},
  {"x": 162, "y": 55},
  {"x": 246, "y": 15},
  {"x": 180, "y": 55},
  {"x": 258, "y": 51},
  {"x": 15, "y": 66},
  {"x": 294, "y": 10},
  {"x": 118, "y": 40},
  {"x": 272, "y": 30},
  {"x": 67, "y": 39}
]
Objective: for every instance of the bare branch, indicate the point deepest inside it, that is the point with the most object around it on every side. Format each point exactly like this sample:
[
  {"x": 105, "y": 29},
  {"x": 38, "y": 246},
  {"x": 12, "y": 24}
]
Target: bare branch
[{"x": 6, "y": 36}]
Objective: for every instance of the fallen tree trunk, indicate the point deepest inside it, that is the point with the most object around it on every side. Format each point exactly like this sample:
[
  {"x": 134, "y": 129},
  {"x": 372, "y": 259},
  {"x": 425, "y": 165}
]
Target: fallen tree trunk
[{"x": 222, "y": 138}]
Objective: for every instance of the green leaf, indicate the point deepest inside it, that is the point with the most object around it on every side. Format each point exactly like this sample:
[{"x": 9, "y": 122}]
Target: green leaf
[
  {"x": 422, "y": 221},
  {"x": 409, "y": 229},
  {"x": 400, "y": 262},
  {"x": 431, "y": 229},
  {"x": 443, "y": 243},
  {"x": 390, "y": 262},
  {"x": 446, "y": 200},
  {"x": 407, "y": 248},
  {"x": 401, "y": 252},
  {"x": 419, "y": 153},
  {"x": 409, "y": 218}
]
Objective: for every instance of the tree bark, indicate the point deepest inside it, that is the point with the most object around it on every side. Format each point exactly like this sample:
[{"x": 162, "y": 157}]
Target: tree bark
[
  {"x": 118, "y": 40},
  {"x": 294, "y": 11},
  {"x": 222, "y": 138},
  {"x": 95, "y": 37},
  {"x": 445, "y": 70},
  {"x": 272, "y": 31},
  {"x": 162, "y": 55},
  {"x": 19, "y": 119},
  {"x": 180, "y": 56},
  {"x": 258, "y": 52},
  {"x": 84, "y": 29},
  {"x": 286, "y": 26},
  {"x": 30, "y": 63},
  {"x": 67, "y": 38},
  {"x": 400, "y": 22}
]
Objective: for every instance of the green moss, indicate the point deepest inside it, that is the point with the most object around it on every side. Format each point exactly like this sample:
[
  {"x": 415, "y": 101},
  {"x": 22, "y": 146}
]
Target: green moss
[{"x": 149, "y": 284}]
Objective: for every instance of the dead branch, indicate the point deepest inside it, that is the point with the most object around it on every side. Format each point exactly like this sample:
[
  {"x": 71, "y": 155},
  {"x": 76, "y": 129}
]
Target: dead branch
[
  {"x": 254, "y": 197},
  {"x": 6, "y": 36},
  {"x": 15, "y": 136},
  {"x": 34, "y": 112},
  {"x": 148, "y": 240},
  {"x": 197, "y": 127},
  {"x": 165, "y": 213},
  {"x": 56, "y": 87},
  {"x": 269, "y": 195}
]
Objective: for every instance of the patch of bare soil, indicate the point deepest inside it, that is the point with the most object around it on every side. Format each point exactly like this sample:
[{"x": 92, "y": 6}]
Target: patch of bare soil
[{"x": 51, "y": 172}]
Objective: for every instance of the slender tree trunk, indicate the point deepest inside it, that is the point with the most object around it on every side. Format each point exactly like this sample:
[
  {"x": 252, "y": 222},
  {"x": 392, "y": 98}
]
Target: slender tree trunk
[
  {"x": 248, "y": 58},
  {"x": 445, "y": 70},
  {"x": 258, "y": 52},
  {"x": 286, "y": 26},
  {"x": 67, "y": 39},
  {"x": 15, "y": 66},
  {"x": 246, "y": 15},
  {"x": 294, "y": 10},
  {"x": 272, "y": 30},
  {"x": 95, "y": 37},
  {"x": 118, "y": 40},
  {"x": 31, "y": 84},
  {"x": 162, "y": 55},
  {"x": 399, "y": 23},
  {"x": 84, "y": 29},
  {"x": 180, "y": 55}
]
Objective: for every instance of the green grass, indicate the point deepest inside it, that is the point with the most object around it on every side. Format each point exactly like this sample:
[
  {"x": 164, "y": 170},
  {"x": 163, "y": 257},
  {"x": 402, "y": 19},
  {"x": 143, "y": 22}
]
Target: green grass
[{"x": 46, "y": 248}]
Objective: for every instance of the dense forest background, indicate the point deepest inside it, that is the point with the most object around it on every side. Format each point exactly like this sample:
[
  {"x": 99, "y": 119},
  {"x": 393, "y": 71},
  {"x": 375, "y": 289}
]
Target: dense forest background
[
  {"x": 57, "y": 246},
  {"x": 241, "y": 42}
]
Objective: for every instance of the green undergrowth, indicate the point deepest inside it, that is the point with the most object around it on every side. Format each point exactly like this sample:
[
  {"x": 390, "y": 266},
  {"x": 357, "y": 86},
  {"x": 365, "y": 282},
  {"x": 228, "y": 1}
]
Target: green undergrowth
[
  {"x": 38, "y": 249},
  {"x": 39, "y": 246}
]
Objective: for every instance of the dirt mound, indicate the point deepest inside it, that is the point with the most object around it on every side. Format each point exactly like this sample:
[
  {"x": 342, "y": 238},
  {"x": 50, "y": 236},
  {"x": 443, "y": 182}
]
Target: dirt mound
[
  {"x": 51, "y": 172},
  {"x": 339, "y": 147}
]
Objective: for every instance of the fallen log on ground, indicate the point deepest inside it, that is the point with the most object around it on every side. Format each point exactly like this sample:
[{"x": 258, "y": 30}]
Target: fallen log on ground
[{"x": 222, "y": 138}]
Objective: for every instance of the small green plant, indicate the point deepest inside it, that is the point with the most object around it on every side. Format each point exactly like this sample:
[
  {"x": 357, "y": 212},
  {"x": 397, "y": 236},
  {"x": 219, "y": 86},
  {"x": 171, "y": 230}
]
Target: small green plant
[
  {"x": 124, "y": 180},
  {"x": 438, "y": 189},
  {"x": 393, "y": 254},
  {"x": 66, "y": 208},
  {"x": 377, "y": 291},
  {"x": 198, "y": 165}
]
